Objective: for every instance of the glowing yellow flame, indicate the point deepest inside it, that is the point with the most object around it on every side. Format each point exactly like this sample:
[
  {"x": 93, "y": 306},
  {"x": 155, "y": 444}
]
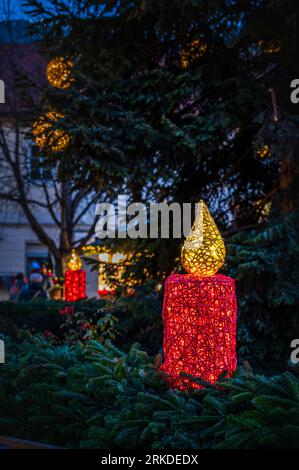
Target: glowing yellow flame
[
  {"x": 203, "y": 252},
  {"x": 55, "y": 139},
  {"x": 74, "y": 262},
  {"x": 58, "y": 72}
]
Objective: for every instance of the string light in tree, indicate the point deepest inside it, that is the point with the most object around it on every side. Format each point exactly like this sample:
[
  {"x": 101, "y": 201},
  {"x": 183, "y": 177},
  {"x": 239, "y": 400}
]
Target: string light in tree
[
  {"x": 199, "y": 310},
  {"x": 270, "y": 47},
  {"x": 75, "y": 279},
  {"x": 264, "y": 151},
  {"x": 92, "y": 249},
  {"x": 47, "y": 137},
  {"x": 263, "y": 209},
  {"x": 195, "y": 50},
  {"x": 58, "y": 72}
]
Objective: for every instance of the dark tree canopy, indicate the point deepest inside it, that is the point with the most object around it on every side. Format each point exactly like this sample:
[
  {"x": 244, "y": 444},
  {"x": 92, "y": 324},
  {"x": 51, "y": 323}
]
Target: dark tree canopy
[
  {"x": 170, "y": 105},
  {"x": 172, "y": 101}
]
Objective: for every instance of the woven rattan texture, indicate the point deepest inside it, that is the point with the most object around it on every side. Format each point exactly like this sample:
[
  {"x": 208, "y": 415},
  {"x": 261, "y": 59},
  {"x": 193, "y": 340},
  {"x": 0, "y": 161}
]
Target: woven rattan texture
[
  {"x": 203, "y": 252},
  {"x": 199, "y": 316}
]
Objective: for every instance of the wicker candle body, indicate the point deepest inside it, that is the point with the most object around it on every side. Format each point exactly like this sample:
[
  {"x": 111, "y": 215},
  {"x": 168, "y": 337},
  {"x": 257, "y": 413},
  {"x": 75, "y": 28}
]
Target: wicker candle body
[
  {"x": 199, "y": 315},
  {"x": 75, "y": 285}
]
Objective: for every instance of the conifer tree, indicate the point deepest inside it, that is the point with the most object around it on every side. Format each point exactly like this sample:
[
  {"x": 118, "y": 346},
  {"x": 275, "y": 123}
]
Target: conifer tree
[{"x": 186, "y": 100}]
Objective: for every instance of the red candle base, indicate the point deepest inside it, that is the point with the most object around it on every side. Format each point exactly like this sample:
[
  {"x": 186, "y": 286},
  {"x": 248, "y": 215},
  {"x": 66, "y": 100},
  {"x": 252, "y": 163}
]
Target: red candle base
[
  {"x": 75, "y": 285},
  {"x": 199, "y": 315}
]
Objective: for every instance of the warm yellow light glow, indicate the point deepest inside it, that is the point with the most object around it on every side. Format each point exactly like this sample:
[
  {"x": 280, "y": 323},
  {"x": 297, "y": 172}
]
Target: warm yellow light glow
[
  {"x": 196, "y": 49},
  {"x": 56, "y": 139},
  {"x": 92, "y": 249},
  {"x": 264, "y": 151},
  {"x": 203, "y": 252},
  {"x": 270, "y": 47},
  {"x": 58, "y": 72},
  {"x": 74, "y": 261},
  {"x": 264, "y": 208}
]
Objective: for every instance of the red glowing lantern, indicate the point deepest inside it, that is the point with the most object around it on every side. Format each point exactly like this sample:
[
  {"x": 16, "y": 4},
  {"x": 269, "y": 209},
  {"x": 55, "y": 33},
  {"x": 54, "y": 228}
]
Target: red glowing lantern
[
  {"x": 75, "y": 279},
  {"x": 200, "y": 310}
]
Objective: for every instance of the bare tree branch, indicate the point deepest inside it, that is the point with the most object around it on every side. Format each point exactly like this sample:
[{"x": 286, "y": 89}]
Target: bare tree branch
[
  {"x": 85, "y": 210},
  {"x": 82, "y": 241},
  {"x": 50, "y": 205}
]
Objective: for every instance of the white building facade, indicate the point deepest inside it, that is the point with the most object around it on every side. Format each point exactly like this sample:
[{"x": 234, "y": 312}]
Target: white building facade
[{"x": 21, "y": 249}]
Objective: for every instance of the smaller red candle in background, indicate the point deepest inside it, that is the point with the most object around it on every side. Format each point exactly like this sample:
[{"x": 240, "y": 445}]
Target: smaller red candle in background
[{"x": 75, "y": 279}]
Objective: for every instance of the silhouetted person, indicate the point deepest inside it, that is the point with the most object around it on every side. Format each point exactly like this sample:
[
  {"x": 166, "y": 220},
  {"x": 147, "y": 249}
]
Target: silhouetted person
[
  {"x": 18, "y": 287},
  {"x": 47, "y": 283},
  {"x": 35, "y": 289}
]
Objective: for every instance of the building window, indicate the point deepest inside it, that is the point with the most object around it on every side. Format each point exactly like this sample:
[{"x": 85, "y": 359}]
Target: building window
[
  {"x": 37, "y": 256},
  {"x": 39, "y": 170}
]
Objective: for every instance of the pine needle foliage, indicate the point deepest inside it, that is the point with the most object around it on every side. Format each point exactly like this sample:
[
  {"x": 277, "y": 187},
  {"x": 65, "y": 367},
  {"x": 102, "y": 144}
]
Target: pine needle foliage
[{"x": 101, "y": 397}]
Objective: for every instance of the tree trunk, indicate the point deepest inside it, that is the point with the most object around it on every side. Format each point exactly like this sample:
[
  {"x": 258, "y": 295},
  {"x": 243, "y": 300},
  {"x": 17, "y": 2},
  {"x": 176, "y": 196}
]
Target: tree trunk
[
  {"x": 65, "y": 243},
  {"x": 59, "y": 266},
  {"x": 287, "y": 175}
]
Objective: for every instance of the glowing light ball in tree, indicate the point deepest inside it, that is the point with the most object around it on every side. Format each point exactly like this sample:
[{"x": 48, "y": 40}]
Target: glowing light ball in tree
[
  {"x": 200, "y": 309},
  {"x": 47, "y": 137},
  {"x": 58, "y": 72},
  {"x": 75, "y": 279}
]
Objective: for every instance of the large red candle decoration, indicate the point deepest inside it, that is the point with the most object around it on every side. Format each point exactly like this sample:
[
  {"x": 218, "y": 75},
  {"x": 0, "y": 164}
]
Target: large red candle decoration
[
  {"x": 75, "y": 279},
  {"x": 200, "y": 310}
]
